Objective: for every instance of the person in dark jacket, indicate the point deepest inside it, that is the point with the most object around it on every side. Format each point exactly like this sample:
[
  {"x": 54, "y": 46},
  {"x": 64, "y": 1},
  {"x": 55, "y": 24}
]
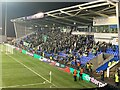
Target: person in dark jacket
[
  {"x": 87, "y": 67},
  {"x": 102, "y": 75},
  {"x": 80, "y": 73},
  {"x": 91, "y": 67}
]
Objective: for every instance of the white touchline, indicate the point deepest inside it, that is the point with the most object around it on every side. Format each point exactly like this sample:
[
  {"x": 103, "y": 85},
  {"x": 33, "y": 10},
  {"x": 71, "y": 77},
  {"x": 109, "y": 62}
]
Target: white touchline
[
  {"x": 32, "y": 70},
  {"x": 22, "y": 85}
]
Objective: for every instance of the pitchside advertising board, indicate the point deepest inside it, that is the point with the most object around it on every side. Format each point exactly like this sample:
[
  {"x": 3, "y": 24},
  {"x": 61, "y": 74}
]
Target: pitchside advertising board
[{"x": 87, "y": 78}]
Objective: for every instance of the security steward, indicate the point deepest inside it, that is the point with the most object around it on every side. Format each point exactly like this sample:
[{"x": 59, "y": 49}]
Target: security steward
[
  {"x": 75, "y": 75},
  {"x": 116, "y": 79},
  {"x": 81, "y": 72}
]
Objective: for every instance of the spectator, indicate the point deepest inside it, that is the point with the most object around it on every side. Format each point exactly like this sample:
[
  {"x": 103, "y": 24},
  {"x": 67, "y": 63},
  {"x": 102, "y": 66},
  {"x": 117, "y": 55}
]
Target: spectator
[
  {"x": 102, "y": 75},
  {"x": 118, "y": 71},
  {"x": 51, "y": 58},
  {"x": 104, "y": 56},
  {"x": 78, "y": 65},
  {"x": 43, "y": 54},
  {"x": 91, "y": 67},
  {"x": 87, "y": 67},
  {"x": 116, "y": 79},
  {"x": 109, "y": 63}
]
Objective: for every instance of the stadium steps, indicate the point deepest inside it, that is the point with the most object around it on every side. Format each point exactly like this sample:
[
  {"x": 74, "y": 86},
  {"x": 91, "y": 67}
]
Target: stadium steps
[
  {"x": 113, "y": 69},
  {"x": 109, "y": 81},
  {"x": 106, "y": 80},
  {"x": 104, "y": 66},
  {"x": 98, "y": 60}
]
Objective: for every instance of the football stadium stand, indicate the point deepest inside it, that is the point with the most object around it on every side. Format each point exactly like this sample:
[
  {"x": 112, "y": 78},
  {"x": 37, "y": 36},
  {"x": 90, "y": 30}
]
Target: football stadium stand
[{"x": 73, "y": 36}]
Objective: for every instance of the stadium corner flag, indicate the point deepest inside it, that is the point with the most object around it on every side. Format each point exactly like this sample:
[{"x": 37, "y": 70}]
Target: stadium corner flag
[
  {"x": 50, "y": 76},
  {"x": 50, "y": 73}
]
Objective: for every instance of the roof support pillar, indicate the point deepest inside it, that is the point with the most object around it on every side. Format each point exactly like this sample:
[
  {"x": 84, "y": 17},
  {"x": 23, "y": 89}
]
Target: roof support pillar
[{"x": 118, "y": 25}]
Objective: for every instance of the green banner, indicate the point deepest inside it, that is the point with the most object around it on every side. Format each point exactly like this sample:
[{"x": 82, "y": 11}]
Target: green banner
[
  {"x": 86, "y": 77},
  {"x": 78, "y": 73},
  {"x": 71, "y": 70},
  {"x": 37, "y": 56},
  {"x": 24, "y": 52}
]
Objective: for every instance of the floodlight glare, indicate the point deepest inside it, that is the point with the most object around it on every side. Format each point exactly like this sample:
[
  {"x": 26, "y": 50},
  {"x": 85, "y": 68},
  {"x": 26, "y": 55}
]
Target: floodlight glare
[{"x": 35, "y": 25}]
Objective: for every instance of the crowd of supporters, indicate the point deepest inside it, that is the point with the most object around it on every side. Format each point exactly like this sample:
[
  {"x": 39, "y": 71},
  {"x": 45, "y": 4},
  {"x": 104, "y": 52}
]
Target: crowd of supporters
[
  {"x": 63, "y": 47},
  {"x": 72, "y": 50}
]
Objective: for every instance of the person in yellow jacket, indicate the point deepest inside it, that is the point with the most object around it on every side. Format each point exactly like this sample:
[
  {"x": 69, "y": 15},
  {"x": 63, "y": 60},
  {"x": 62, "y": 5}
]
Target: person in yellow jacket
[
  {"x": 43, "y": 54},
  {"x": 91, "y": 67},
  {"x": 109, "y": 64},
  {"x": 116, "y": 79},
  {"x": 51, "y": 58},
  {"x": 87, "y": 67}
]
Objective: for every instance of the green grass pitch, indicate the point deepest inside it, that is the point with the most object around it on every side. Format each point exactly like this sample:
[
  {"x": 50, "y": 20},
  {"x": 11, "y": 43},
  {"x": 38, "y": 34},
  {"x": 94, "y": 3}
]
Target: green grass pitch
[{"x": 22, "y": 71}]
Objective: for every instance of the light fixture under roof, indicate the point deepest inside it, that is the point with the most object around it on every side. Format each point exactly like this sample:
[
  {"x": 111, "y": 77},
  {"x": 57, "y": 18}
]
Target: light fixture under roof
[
  {"x": 36, "y": 26},
  {"x": 46, "y": 25}
]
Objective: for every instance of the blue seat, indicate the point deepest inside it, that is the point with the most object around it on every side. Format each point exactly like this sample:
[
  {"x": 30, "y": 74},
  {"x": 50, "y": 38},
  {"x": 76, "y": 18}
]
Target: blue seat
[{"x": 72, "y": 63}]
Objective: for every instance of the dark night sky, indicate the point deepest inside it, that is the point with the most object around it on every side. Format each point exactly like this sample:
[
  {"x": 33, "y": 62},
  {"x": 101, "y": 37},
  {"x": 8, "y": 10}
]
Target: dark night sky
[{"x": 19, "y": 9}]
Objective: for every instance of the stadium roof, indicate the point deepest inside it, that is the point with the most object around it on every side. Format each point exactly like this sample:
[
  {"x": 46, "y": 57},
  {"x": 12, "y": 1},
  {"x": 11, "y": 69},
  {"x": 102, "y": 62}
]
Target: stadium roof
[{"x": 81, "y": 14}]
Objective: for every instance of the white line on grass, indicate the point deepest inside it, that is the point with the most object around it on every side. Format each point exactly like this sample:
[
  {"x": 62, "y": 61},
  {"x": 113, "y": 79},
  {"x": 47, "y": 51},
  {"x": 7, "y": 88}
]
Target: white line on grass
[
  {"x": 22, "y": 85},
  {"x": 32, "y": 70}
]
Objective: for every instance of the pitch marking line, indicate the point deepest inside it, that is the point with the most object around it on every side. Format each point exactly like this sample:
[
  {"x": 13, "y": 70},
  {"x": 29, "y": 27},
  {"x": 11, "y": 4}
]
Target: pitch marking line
[
  {"x": 23, "y": 85},
  {"x": 32, "y": 70}
]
